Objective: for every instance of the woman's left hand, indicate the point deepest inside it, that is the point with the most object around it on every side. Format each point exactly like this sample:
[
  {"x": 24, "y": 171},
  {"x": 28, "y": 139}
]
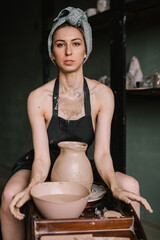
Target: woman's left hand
[
  {"x": 127, "y": 197},
  {"x": 18, "y": 201}
]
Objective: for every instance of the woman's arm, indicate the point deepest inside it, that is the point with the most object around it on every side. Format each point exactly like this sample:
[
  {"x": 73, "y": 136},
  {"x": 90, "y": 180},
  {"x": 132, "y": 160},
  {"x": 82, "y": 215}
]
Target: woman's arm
[
  {"x": 41, "y": 163},
  {"x": 36, "y": 113},
  {"x": 102, "y": 154}
]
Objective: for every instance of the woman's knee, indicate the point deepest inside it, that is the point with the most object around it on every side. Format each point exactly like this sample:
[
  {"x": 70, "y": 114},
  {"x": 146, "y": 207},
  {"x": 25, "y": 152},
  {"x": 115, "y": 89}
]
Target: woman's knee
[
  {"x": 127, "y": 182},
  {"x": 15, "y": 185},
  {"x": 7, "y": 196}
]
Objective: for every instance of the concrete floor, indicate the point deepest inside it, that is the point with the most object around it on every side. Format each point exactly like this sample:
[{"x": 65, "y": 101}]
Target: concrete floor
[{"x": 152, "y": 231}]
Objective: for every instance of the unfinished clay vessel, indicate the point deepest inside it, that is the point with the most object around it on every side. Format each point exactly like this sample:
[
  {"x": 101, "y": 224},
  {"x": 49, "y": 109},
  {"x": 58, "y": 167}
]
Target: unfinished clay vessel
[{"x": 72, "y": 164}]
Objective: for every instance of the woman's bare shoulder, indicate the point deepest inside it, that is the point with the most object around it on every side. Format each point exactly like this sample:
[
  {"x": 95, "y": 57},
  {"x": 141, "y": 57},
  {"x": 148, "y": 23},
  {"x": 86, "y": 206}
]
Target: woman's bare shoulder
[
  {"x": 100, "y": 90},
  {"x": 42, "y": 92},
  {"x": 102, "y": 98}
]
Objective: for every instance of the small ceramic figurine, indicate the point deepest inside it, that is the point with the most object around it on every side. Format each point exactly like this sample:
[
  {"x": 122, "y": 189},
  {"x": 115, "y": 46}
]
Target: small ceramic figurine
[
  {"x": 134, "y": 65},
  {"x": 102, "y": 5},
  {"x": 138, "y": 77},
  {"x": 135, "y": 73},
  {"x": 91, "y": 11},
  {"x": 156, "y": 80}
]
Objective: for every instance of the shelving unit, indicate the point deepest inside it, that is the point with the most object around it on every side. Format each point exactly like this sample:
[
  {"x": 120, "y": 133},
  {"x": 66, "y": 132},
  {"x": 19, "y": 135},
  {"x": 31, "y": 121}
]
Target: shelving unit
[
  {"x": 137, "y": 12},
  {"x": 144, "y": 91}
]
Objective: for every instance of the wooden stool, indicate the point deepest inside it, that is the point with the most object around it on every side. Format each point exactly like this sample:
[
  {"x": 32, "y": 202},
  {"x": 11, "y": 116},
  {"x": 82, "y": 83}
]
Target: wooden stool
[{"x": 88, "y": 225}]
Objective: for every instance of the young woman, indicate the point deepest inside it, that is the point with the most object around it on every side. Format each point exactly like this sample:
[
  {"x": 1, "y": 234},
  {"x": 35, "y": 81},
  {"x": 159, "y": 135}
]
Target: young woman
[{"x": 86, "y": 103}]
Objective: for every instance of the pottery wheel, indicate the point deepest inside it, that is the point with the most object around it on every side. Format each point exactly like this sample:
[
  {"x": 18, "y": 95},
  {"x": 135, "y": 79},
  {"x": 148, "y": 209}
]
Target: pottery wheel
[{"x": 97, "y": 192}]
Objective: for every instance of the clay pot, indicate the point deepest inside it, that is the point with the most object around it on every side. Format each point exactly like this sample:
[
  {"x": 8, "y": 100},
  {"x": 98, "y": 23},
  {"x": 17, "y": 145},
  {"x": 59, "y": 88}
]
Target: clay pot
[{"x": 72, "y": 164}]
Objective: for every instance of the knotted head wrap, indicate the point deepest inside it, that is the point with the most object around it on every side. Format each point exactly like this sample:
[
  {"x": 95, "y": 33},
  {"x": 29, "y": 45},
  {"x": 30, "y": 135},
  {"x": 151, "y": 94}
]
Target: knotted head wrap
[{"x": 76, "y": 18}]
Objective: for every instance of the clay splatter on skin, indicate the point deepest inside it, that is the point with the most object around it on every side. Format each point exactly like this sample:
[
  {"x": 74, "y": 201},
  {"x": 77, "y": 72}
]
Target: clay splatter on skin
[
  {"x": 56, "y": 99},
  {"x": 71, "y": 103},
  {"x": 39, "y": 175}
]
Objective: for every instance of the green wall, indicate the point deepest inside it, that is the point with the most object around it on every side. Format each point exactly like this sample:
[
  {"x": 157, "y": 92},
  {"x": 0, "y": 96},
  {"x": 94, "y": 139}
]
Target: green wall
[
  {"x": 143, "y": 149},
  {"x": 143, "y": 41},
  {"x": 143, "y": 119},
  {"x": 20, "y": 73},
  {"x": 143, "y": 113}
]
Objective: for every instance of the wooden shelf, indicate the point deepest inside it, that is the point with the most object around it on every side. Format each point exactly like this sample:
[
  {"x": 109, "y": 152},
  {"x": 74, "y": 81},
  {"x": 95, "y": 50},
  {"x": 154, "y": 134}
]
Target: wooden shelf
[
  {"x": 99, "y": 21},
  {"x": 143, "y": 13},
  {"x": 138, "y": 12},
  {"x": 144, "y": 91}
]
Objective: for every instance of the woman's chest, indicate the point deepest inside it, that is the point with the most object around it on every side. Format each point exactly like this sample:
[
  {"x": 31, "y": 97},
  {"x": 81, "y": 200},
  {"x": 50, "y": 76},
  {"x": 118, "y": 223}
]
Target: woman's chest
[{"x": 70, "y": 108}]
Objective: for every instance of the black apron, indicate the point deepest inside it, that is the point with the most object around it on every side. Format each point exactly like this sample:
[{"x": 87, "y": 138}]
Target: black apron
[{"x": 59, "y": 129}]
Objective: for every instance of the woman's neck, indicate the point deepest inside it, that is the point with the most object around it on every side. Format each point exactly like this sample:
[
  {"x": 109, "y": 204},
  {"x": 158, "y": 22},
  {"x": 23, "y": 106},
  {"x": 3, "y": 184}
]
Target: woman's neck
[
  {"x": 70, "y": 82},
  {"x": 71, "y": 96}
]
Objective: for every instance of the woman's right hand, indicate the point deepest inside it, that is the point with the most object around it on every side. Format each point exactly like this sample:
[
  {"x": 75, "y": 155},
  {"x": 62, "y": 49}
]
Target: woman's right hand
[
  {"x": 18, "y": 201},
  {"x": 128, "y": 197}
]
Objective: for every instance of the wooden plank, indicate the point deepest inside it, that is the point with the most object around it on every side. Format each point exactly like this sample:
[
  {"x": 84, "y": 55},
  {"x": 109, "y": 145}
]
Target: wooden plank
[
  {"x": 83, "y": 225},
  {"x": 81, "y": 237},
  {"x": 144, "y": 91}
]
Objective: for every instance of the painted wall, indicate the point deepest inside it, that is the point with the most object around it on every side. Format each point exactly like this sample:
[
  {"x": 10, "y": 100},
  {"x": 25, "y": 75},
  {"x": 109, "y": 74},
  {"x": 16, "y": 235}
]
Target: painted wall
[
  {"x": 143, "y": 120},
  {"x": 143, "y": 113},
  {"x": 21, "y": 72},
  {"x": 143, "y": 151}
]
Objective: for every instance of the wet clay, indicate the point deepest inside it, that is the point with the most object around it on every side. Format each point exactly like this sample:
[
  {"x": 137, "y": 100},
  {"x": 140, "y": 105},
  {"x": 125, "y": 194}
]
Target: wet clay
[
  {"x": 60, "y": 198},
  {"x": 71, "y": 103},
  {"x": 72, "y": 164},
  {"x": 111, "y": 213},
  {"x": 71, "y": 237}
]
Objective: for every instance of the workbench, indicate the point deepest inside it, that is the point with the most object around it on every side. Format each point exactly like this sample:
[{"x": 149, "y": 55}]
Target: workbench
[{"x": 90, "y": 225}]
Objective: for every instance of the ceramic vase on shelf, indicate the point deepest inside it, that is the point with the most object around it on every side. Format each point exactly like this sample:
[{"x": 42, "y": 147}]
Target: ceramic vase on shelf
[
  {"x": 72, "y": 164},
  {"x": 134, "y": 74},
  {"x": 103, "y": 5},
  {"x": 156, "y": 80}
]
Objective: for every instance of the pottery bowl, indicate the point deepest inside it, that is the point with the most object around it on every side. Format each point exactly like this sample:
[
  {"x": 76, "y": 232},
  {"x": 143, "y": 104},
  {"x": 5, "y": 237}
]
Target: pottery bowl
[{"x": 60, "y": 200}]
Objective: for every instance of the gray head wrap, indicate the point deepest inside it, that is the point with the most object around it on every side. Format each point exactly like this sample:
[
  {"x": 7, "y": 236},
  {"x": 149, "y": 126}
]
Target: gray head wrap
[{"x": 75, "y": 17}]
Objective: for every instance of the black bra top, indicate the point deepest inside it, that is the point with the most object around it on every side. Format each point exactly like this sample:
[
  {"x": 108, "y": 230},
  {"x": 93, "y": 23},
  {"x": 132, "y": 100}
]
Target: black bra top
[{"x": 80, "y": 130}]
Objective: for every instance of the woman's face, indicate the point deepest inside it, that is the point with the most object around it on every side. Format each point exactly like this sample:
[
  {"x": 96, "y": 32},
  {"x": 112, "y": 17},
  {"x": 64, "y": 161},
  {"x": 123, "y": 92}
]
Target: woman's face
[{"x": 68, "y": 48}]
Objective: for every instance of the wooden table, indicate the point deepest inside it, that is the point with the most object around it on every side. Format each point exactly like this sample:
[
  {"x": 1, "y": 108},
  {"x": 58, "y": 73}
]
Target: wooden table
[{"x": 89, "y": 225}]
